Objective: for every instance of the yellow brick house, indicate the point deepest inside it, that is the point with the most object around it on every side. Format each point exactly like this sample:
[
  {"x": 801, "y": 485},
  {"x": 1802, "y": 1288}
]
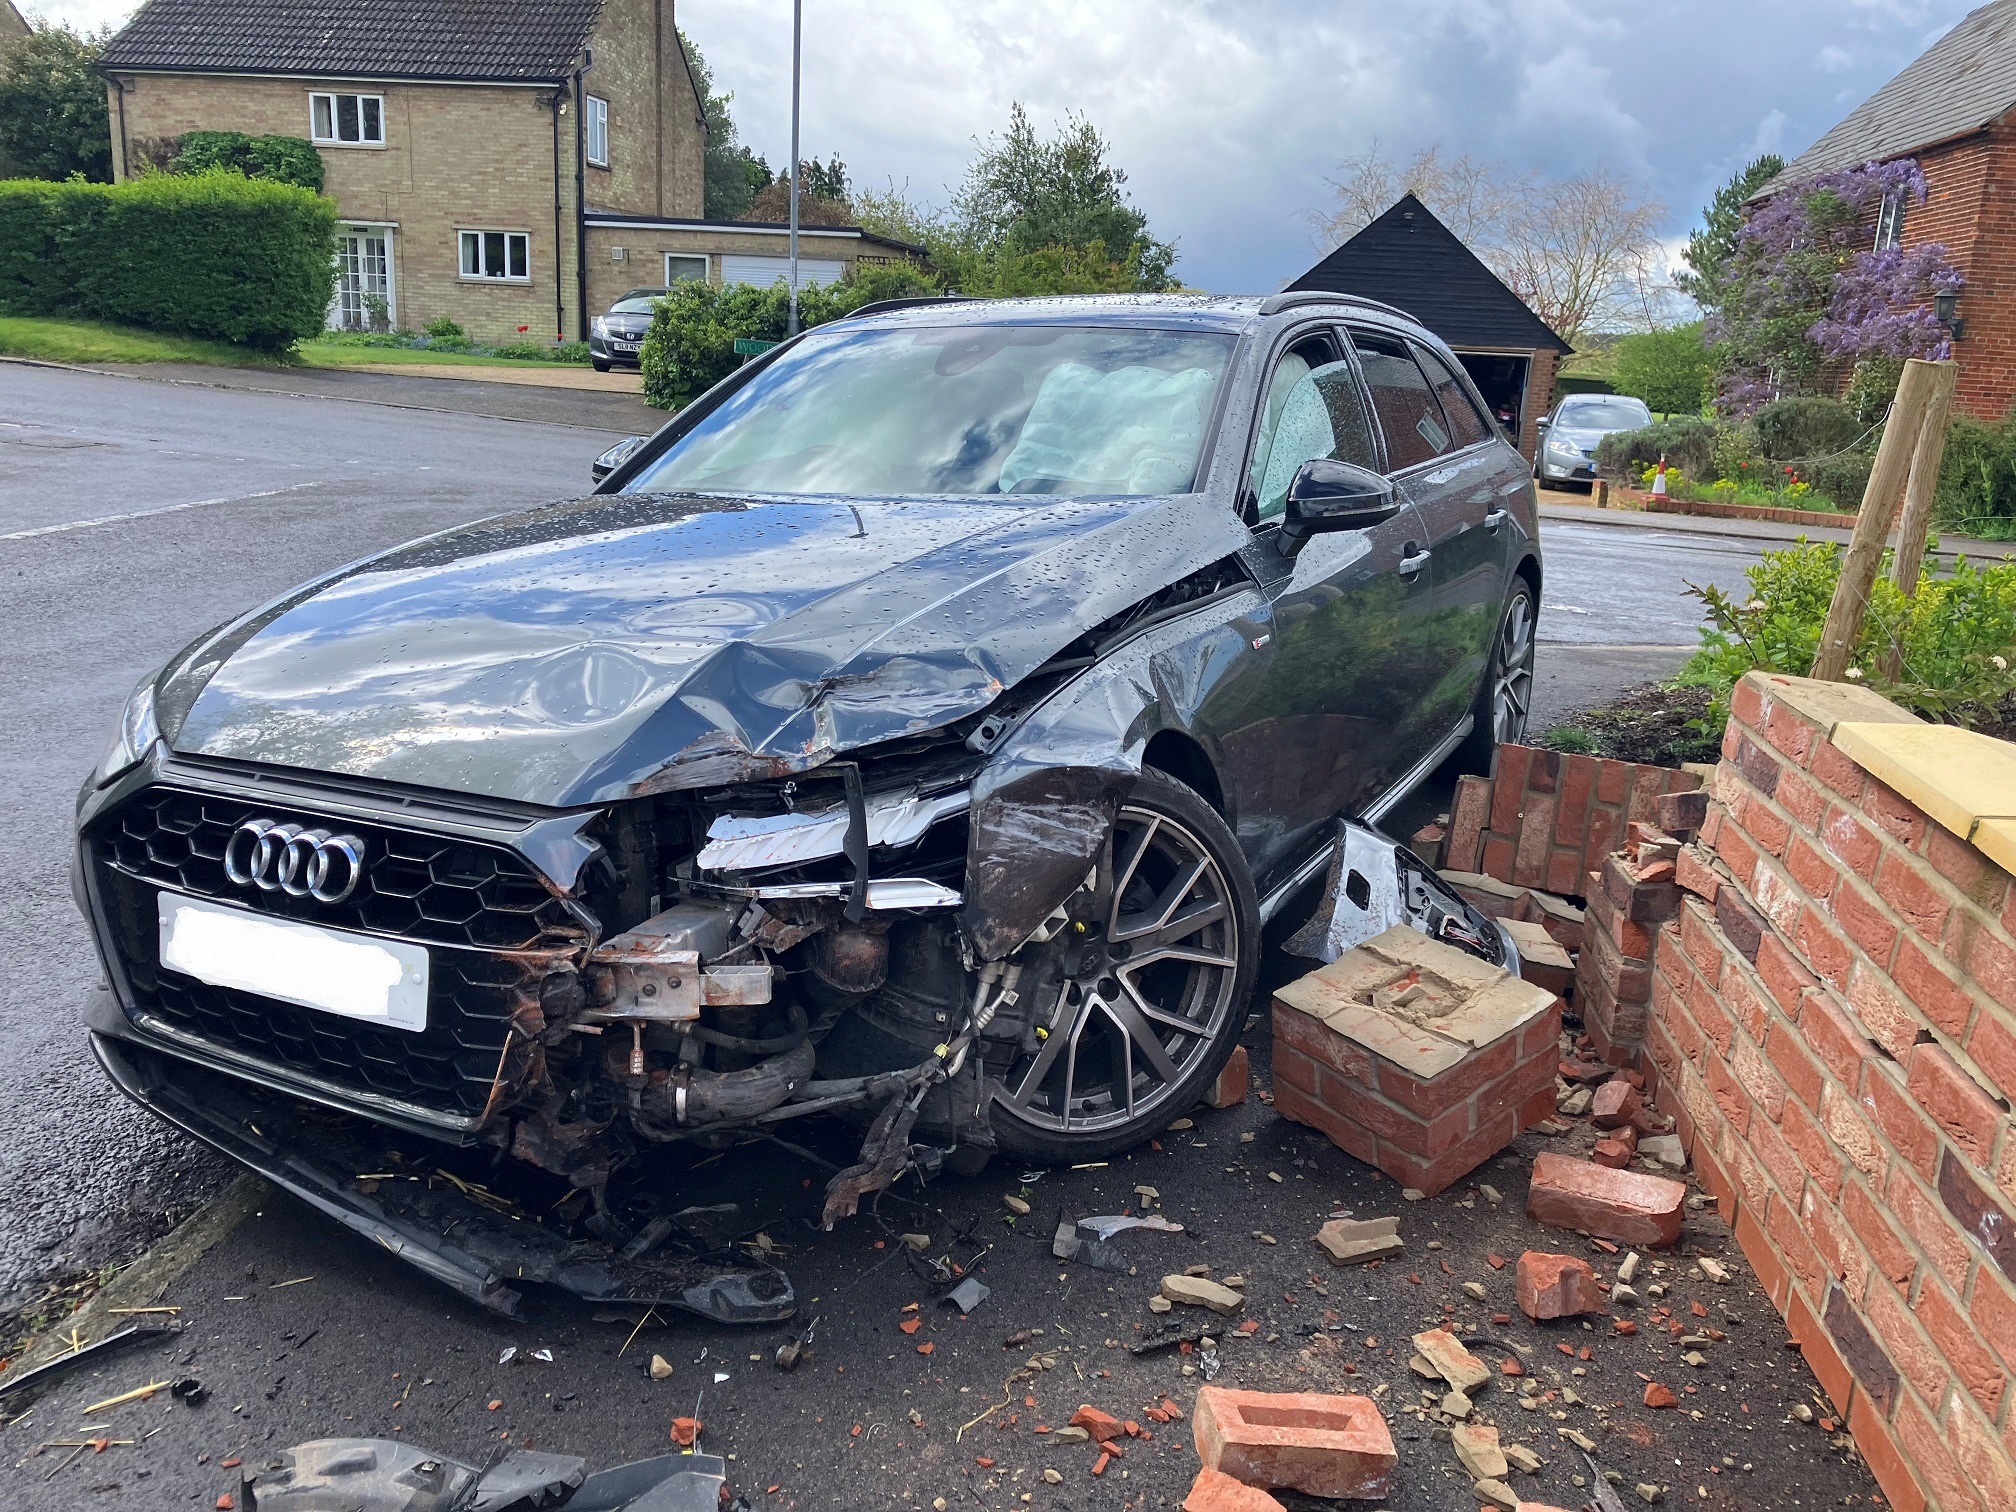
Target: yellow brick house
[{"x": 512, "y": 165}]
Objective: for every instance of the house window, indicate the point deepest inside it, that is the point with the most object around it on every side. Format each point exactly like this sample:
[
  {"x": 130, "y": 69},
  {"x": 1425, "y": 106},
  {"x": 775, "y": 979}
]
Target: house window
[
  {"x": 502, "y": 256},
  {"x": 1890, "y": 222},
  {"x": 350, "y": 120},
  {"x": 682, "y": 267},
  {"x": 598, "y": 132}
]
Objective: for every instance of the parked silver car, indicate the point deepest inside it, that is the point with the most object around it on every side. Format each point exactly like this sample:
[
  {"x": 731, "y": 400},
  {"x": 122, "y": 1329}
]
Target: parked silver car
[{"x": 1569, "y": 436}]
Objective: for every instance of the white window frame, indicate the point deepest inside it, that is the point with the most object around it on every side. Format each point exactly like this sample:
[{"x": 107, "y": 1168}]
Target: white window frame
[
  {"x": 597, "y": 115},
  {"x": 1890, "y": 221},
  {"x": 706, "y": 266},
  {"x": 334, "y": 137},
  {"x": 478, "y": 238}
]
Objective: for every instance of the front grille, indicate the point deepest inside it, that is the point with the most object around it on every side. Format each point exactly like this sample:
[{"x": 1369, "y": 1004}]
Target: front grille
[
  {"x": 431, "y": 888},
  {"x": 471, "y": 902}
]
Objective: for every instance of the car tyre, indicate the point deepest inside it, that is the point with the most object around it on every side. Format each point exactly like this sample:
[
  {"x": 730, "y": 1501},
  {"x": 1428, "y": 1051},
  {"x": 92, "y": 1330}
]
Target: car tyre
[
  {"x": 1182, "y": 983},
  {"x": 599, "y": 365},
  {"x": 1505, "y": 697}
]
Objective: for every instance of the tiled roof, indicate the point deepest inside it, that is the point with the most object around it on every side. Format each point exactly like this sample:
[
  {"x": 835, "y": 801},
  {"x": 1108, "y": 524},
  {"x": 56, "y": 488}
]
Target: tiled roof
[
  {"x": 1961, "y": 83},
  {"x": 377, "y": 39}
]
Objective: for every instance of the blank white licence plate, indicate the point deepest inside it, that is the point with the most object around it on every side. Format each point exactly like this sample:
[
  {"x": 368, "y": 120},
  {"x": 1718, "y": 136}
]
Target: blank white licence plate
[{"x": 358, "y": 976}]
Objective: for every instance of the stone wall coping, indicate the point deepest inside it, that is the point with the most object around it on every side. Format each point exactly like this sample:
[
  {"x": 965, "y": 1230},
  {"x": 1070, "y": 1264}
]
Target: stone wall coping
[
  {"x": 1827, "y": 705},
  {"x": 1961, "y": 778}
]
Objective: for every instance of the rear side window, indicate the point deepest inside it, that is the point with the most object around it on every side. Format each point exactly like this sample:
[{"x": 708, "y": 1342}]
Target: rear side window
[
  {"x": 1465, "y": 424},
  {"x": 1406, "y": 406}
]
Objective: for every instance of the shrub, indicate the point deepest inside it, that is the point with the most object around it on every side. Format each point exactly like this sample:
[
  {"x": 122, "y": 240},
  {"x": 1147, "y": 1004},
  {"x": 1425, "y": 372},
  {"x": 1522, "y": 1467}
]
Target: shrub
[
  {"x": 691, "y": 344},
  {"x": 216, "y": 255},
  {"x": 1977, "y": 479},
  {"x": 443, "y": 329},
  {"x": 1843, "y": 479},
  {"x": 1795, "y": 429},
  {"x": 1957, "y": 635},
  {"x": 1686, "y": 443},
  {"x": 284, "y": 159}
]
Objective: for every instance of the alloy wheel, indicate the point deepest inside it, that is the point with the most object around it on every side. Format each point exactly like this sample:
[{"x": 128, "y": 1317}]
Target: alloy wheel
[
  {"x": 1512, "y": 671},
  {"x": 1148, "y": 983}
]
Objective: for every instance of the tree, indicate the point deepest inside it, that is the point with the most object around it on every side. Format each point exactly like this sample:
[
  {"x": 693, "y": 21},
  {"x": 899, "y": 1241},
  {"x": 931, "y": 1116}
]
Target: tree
[
  {"x": 53, "y": 120},
  {"x": 1712, "y": 243},
  {"x": 1031, "y": 217},
  {"x": 1582, "y": 251},
  {"x": 824, "y": 197},
  {"x": 733, "y": 175},
  {"x": 1804, "y": 289},
  {"x": 1024, "y": 193},
  {"x": 1670, "y": 369}
]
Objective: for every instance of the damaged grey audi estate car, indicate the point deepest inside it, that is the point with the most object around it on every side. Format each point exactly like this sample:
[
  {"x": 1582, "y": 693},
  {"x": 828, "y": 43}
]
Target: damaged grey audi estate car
[{"x": 920, "y": 726}]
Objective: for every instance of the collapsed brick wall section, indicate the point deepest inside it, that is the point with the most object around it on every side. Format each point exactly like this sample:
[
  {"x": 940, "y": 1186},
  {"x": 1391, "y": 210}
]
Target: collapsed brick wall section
[
  {"x": 1613, "y": 972},
  {"x": 1547, "y": 819},
  {"x": 1833, "y": 1028}
]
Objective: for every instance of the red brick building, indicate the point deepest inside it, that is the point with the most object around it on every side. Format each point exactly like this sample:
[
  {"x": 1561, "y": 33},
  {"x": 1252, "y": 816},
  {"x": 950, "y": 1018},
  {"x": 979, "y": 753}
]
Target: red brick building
[{"x": 1954, "y": 111}]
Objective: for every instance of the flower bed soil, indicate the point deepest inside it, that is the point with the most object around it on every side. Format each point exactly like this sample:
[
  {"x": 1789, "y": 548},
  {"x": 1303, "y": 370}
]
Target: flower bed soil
[{"x": 1651, "y": 724}]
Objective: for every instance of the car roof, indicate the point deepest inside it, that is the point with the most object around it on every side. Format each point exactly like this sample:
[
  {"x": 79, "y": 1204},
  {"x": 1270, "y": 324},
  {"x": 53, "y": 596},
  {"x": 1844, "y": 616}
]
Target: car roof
[{"x": 1219, "y": 312}]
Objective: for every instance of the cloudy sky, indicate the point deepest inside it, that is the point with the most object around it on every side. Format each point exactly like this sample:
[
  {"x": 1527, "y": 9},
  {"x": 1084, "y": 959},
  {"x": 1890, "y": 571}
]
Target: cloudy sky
[{"x": 1229, "y": 114}]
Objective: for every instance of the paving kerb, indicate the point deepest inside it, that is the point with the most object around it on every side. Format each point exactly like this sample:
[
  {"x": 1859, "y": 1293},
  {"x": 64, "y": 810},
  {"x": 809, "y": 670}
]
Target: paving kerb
[{"x": 1949, "y": 548}]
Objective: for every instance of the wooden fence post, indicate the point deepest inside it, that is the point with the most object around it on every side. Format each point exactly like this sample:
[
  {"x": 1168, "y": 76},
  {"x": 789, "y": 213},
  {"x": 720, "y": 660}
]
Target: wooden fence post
[
  {"x": 1872, "y": 526},
  {"x": 1914, "y": 525}
]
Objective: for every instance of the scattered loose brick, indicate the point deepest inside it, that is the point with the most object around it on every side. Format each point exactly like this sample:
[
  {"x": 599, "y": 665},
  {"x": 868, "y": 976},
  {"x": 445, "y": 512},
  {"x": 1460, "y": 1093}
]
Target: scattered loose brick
[
  {"x": 1103, "y": 1426},
  {"x": 1354, "y": 1241},
  {"x": 1215, "y": 1491},
  {"x": 1334, "y": 1446},
  {"x": 1660, "y": 1396},
  {"x": 1556, "y": 1286},
  {"x": 1622, "y": 1205},
  {"x": 1460, "y": 1368}
]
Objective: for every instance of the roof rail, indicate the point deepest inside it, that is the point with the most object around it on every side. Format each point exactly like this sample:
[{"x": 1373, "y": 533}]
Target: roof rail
[
  {"x": 884, "y": 306},
  {"x": 1292, "y": 299}
]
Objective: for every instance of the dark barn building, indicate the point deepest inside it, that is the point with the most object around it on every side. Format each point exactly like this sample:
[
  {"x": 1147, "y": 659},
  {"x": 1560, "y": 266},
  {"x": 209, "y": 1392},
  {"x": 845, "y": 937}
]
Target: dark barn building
[{"x": 1410, "y": 259}]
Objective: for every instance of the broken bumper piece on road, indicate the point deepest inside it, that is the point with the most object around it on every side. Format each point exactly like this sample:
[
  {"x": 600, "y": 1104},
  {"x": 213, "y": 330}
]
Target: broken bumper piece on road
[
  {"x": 383, "y": 1475},
  {"x": 435, "y": 1226}
]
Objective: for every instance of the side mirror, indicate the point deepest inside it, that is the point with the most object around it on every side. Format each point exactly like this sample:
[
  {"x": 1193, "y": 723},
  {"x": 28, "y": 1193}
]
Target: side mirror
[
  {"x": 1541, "y": 423},
  {"x": 1328, "y": 496},
  {"x": 615, "y": 457}
]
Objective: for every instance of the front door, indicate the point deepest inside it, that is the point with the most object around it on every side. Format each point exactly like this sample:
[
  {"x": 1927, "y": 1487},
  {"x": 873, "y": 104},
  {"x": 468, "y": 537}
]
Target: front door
[
  {"x": 1328, "y": 728},
  {"x": 363, "y": 299}
]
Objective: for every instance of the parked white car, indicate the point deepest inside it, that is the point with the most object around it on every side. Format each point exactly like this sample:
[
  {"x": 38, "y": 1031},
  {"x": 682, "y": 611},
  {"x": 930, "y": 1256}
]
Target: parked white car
[{"x": 1568, "y": 437}]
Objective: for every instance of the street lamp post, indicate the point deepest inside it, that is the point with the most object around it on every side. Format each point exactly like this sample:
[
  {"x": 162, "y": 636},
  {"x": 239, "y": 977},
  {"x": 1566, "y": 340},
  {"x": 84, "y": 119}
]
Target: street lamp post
[{"x": 797, "y": 26}]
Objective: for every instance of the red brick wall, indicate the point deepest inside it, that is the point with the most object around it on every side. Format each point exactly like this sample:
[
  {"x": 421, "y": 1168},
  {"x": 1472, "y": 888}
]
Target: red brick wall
[
  {"x": 1547, "y": 819},
  {"x": 1970, "y": 207},
  {"x": 1834, "y": 1030}
]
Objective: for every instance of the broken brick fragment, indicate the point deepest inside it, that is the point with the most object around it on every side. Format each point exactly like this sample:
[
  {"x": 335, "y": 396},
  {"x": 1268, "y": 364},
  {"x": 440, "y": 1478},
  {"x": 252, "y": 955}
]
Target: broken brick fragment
[
  {"x": 1103, "y": 1426},
  {"x": 1626, "y": 1206},
  {"x": 1556, "y": 1286},
  {"x": 1660, "y": 1396},
  {"x": 1617, "y": 1102},
  {"x": 1613, "y": 1153},
  {"x": 1215, "y": 1491},
  {"x": 1327, "y": 1446},
  {"x": 1229, "y": 1090}
]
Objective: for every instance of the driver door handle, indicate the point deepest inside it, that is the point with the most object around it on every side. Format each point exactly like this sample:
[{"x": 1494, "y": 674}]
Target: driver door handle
[
  {"x": 1414, "y": 561},
  {"x": 1496, "y": 518}
]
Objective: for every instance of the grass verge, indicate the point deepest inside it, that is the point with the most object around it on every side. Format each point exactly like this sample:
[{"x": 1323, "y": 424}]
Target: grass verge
[{"x": 86, "y": 341}]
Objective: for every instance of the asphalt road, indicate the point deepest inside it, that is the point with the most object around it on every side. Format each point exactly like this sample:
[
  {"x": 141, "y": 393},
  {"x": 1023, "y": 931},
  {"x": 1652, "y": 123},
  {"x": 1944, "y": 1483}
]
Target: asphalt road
[{"x": 136, "y": 514}]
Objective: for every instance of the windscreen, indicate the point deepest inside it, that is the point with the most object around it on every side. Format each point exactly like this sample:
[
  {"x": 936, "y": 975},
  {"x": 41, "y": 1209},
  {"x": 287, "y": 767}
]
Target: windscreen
[
  {"x": 634, "y": 304},
  {"x": 988, "y": 409},
  {"x": 1605, "y": 414}
]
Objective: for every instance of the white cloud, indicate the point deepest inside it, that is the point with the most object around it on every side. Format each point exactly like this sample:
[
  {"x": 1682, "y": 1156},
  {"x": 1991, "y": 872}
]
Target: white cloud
[{"x": 1832, "y": 59}]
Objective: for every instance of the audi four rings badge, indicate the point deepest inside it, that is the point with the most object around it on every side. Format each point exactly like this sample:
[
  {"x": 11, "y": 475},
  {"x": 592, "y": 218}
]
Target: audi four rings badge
[{"x": 303, "y": 863}]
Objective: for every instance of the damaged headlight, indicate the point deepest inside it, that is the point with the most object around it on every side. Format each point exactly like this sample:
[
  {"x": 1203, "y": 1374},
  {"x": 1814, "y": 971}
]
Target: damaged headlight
[{"x": 136, "y": 731}]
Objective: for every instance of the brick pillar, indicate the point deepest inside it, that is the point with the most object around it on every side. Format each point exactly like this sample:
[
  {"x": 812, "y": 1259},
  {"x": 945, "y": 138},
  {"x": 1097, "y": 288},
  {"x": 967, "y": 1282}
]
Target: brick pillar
[{"x": 1613, "y": 975}]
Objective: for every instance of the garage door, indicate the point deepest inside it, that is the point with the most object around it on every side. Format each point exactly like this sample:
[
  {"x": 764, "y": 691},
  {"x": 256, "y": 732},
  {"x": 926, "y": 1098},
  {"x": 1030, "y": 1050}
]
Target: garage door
[{"x": 765, "y": 271}]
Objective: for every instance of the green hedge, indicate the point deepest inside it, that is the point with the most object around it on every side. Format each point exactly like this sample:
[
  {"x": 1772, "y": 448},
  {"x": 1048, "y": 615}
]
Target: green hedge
[
  {"x": 1805, "y": 426},
  {"x": 287, "y": 159},
  {"x": 1685, "y": 442},
  {"x": 691, "y": 344},
  {"x": 217, "y": 255}
]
